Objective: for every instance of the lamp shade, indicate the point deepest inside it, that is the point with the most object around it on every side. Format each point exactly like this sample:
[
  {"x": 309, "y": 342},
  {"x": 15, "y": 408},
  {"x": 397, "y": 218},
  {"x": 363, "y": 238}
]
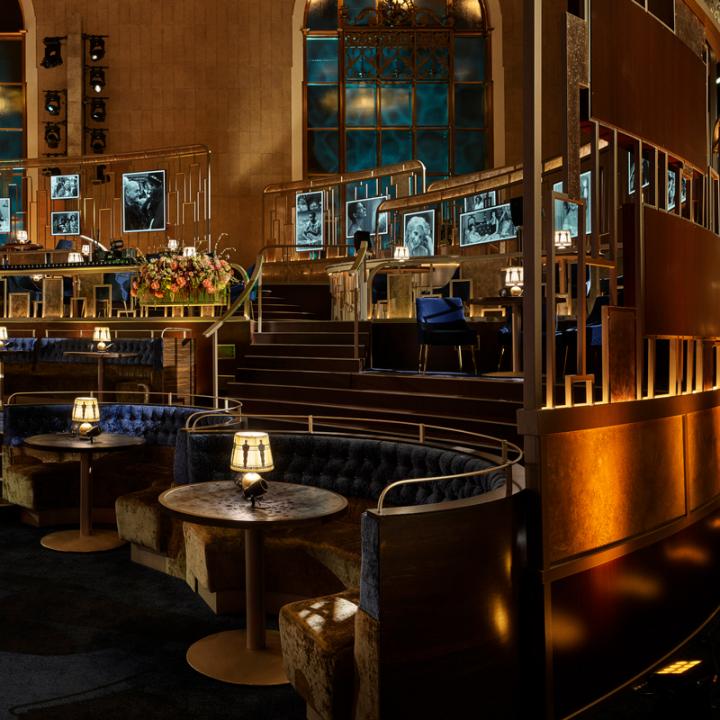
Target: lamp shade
[
  {"x": 85, "y": 410},
  {"x": 3, "y": 333},
  {"x": 75, "y": 257},
  {"x": 101, "y": 334},
  {"x": 514, "y": 276},
  {"x": 21, "y": 236},
  {"x": 172, "y": 245},
  {"x": 189, "y": 251},
  {"x": 401, "y": 252},
  {"x": 563, "y": 239},
  {"x": 85, "y": 250},
  {"x": 251, "y": 452}
]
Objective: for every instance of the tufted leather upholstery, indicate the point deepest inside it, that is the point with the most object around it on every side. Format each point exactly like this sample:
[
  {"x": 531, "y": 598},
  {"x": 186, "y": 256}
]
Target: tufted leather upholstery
[
  {"x": 150, "y": 351},
  {"x": 19, "y": 350},
  {"x": 353, "y": 467}
]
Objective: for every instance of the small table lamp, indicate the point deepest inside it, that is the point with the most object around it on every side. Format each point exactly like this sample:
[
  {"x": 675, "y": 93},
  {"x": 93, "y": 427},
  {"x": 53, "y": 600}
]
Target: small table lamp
[
  {"x": 563, "y": 239},
  {"x": 21, "y": 236},
  {"x": 85, "y": 412},
  {"x": 514, "y": 279},
  {"x": 189, "y": 251},
  {"x": 75, "y": 257},
  {"x": 401, "y": 252},
  {"x": 101, "y": 335},
  {"x": 3, "y": 336},
  {"x": 251, "y": 455},
  {"x": 172, "y": 245}
]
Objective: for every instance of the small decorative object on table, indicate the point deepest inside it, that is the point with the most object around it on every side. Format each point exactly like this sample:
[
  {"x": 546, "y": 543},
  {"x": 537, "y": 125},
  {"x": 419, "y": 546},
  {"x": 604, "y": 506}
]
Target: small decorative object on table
[
  {"x": 101, "y": 335},
  {"x": 251, "y": 455},
  {"x": 85, "y": 413}
]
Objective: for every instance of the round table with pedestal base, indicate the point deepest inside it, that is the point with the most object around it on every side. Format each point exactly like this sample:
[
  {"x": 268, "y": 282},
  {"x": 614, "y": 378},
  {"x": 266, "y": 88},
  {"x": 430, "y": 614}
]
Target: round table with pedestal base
[
  {"x": 85, "y": 539},
  {"x": 252, "y": 656}
]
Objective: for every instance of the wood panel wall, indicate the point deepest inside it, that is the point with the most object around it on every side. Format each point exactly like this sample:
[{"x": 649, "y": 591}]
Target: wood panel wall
[{"x": 646, "y": 81}]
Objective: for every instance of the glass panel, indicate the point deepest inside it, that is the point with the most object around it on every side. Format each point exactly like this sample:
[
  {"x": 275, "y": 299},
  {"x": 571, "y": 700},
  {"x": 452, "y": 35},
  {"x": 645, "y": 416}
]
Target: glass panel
[
  {"x": 361, "y": 150},
  {"x": 322, "y": 14},
  {"x": 322, "y": 105},
  {"x": 432, "y": 63},
  {"x": 469, "y": 14},
  {"x": 360, "y": 62},
  {"x": 360, "y": 104},
  {"x": 322, "y": 59},
  {"x": 396, "y": 104},
  {"x": 11, "y": 61},
  {"x": 470, "y": 106},
  {"x": 397, "y": 63},
  {"x": 431, "y": 12},
  {"x": 469, "y": 59},
  {"x": 431, "y": 104},
  {"x": 470, "y": 151},
  {"x": 322, "y": 152},
  {"x": 11, "y": 106},
  {"x": 396, "y": 146},
  {"x": 11, "y": 145},
  {"x": 355, "y": 11},
  {"x": 432, "y": 149}
]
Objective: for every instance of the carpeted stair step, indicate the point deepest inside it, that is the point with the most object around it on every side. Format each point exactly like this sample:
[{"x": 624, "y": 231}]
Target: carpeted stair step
[
  {"x": 284, "y": 363},
  {"x": 302, "y": 350},
  {"x": 308, "y": 338}
]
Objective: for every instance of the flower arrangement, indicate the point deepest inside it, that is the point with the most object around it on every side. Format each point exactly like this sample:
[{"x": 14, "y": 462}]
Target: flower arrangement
[{"x": 179, "y": 278}]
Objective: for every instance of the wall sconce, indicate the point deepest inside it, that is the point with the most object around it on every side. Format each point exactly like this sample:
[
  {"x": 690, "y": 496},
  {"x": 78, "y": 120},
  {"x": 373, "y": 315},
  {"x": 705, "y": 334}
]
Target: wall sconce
[
  {"x": 53, "y": 56},
  {"x": 251, "y": 455},
  {"x": 401, "y": 253},
  {"x": 514, "y": 279},
  {"x": 53, "y": 135},
  {"x": 97, "y": 79},
  {"x": 563, "y": 239},
  {"x": 189, "y": 251},
  {"x": 101, "y": 335},
  {"x": 53, "y": 103},
  {"x": 85, "y": 413}
]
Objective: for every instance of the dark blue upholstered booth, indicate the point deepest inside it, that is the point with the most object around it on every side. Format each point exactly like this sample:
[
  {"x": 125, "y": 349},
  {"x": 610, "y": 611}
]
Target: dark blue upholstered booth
[{"x": 150, "y": 351}]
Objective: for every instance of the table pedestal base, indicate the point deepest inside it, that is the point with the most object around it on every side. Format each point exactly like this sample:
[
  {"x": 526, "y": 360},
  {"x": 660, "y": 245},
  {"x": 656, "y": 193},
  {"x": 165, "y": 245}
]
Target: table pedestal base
[
  {"x": 73, "y": 541},
  {"x": 224, "y": 656}
]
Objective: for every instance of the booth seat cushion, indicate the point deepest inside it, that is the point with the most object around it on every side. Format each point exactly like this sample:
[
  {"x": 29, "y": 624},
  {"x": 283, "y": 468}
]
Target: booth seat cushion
[
  {"x": 318, "y": 644},
  {"x": 36, "y": 485}
]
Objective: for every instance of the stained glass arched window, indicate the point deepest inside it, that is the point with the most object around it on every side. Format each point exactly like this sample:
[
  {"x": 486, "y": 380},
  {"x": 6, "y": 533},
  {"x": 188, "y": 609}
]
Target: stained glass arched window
[{"x": 391, "y": 80}]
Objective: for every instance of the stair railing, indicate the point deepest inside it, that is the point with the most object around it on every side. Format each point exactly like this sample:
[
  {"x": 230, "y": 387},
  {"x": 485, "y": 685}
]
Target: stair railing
[{"x": 359, "y": 291}]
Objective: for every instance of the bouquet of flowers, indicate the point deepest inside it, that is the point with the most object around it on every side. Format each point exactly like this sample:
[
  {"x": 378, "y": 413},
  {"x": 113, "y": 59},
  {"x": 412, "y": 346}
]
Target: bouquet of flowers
[{"x": 179, "y": 278}]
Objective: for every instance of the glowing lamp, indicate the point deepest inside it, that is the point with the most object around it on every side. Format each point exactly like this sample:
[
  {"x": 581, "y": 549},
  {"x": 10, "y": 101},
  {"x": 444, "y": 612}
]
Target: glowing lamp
[
  {"x": 251, "y": 455},
  {"x": 172, "y": 245},
  {"x": 514, "y": 279},
  {"x": 101, "y": 335},
  {"x": 563, "y": 239},
  {"x": 189, "y": 251},
  {"x": 21, "y": 236},
  {"x": 401, "y": 252},
  {"x": 85, "y": 413},
  {"x": 3, "y": 336},
  {"x": 75, "y": 257},
  {"x": 85, "y": 250}
]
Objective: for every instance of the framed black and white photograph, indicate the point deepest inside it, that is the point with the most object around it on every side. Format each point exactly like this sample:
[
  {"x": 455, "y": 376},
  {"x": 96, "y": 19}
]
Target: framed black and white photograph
[
  {"x": 4, "y": 215},
  {"x": 631, "y": 173},
  {"x": 480, "y": 201},
  {"x": 671, "y": 189},
  {"x": 143, "y": 201},
  {"x": 65, "y": 223},
  {"x": 488, "y": 225},
  {"x": 567, "y": 213},
  {"x": 360, "y": 215},
  {"x": 309, "y": 226},
  {"x": 64, "y": 187},
  {"x": 419, "y": 234}
]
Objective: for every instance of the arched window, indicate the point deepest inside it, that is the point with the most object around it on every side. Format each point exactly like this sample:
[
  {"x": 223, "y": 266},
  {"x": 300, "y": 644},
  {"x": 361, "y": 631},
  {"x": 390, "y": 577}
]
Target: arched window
[{"x": 391, "y": 80}]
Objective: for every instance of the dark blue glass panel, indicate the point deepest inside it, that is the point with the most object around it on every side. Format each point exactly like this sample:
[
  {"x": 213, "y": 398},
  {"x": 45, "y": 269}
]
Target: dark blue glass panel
[
  {"x": 470, "y": 55},
  {"x": 355, "y": 14},
  {"x": 11, "y": 106},
  {"x": 322, "y": 152},
  {"x": 397, "y": 63},
  {"x": 431, "y": 12},
  {"x": 431, "y": 104},
  {"x": 470, "y": 151},
  {"x": 469, "y": 106},
  {"x": 322, "y": 59},
  {"x": 361, "y": 150},
  {"x": 360, "y": 104},
  {"x": 322, "y": 15},
  {"x": 396, "y": 146},
  {"x": 432, "y": 63},
  {"x": 11, "y": 145},
  {"x": 11, "y": 61},
  {"x": 431, "y": 146},
  {"x": 360, "y": 62},
  {"x": 322, "y": 105},
  {"x": 396, "y": 105}
]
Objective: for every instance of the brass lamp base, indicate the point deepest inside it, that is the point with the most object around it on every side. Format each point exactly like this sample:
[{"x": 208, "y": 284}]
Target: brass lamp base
[{"x": 252, "y": 486}]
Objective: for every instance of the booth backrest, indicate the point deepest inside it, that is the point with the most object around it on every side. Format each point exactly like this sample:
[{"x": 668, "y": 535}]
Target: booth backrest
[
  {"x": 158, "y": 424},
  {"x": 353, "y": 467},
  {"x": 19, "y": 349},
  {"x": 149, "y": 351}
]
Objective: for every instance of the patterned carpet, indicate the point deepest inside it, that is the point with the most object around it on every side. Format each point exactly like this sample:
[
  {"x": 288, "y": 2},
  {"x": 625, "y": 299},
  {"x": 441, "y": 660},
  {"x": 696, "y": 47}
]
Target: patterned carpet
[{"x": 96, "y": 636}]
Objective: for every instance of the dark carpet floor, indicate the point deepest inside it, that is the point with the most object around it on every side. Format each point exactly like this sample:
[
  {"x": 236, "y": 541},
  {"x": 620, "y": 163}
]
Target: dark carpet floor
[{"x": 96, "y": 636}]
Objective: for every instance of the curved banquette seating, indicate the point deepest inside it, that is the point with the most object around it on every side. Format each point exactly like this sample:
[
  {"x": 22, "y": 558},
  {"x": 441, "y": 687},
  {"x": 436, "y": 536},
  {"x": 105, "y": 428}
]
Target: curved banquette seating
[{"x": 46, "y": 485}]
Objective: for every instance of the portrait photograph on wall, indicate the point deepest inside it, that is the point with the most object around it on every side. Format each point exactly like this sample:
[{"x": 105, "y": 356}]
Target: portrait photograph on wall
[
  {"x": 671, "y": 190},
  {"x": 567, "y": 213},
  {"x": 309, "y": 229},
  {"x": 631, "y": 173},
  {"x": 481, "y": 200},
  {"x": 419, "y": 235},
  {"x": 143, "y": 201},
  {"x": 360, "y": 215},
  {"x": 488, "y": 225},
  {"x": 64, "y": 187},
  {"x": 4, "y": 215},
  {"x": 65, "y": 223}
]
